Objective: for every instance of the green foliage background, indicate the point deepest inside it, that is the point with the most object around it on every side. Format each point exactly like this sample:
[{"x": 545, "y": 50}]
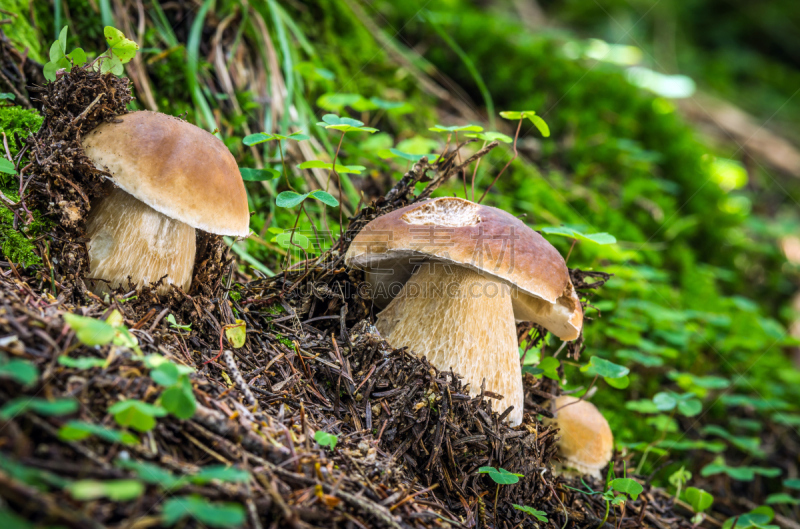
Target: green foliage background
[{"x": 700, "y": 299}]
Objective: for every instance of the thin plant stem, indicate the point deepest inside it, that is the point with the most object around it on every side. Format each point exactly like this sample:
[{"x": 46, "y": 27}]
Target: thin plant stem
[
  {"x": 582, "y": 396},
  {"x": 497, "y": 491},
  {"x": 516, "y": 137},
  {"x": 475, "y": 172},
  {"x": 338, "y": 181},
  {"x": 463, "y": 173},
  {"x": 283, "y": 163},
  {"x": 574, "y": 241},
  {"x": 292, "y": 243},
  {"x": 333, "y": 167},
  {"x": 313, "y": 227},
  {"x": 605, "y": 518}
]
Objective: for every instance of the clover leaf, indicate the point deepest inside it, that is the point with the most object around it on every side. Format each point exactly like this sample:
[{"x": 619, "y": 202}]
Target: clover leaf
[
  {"x": 250, "y": 174},
  {"x": 699, "y": 499},
  {"x": 457, "y": 128},
  {"x": 627, "y": 486},
  {"x": 342, "y": 169},
  {"x": 491, "y": 136},
  {"x": 501, "y": 476},
  {"x": 539, "y": 515},
  {"x": 326, "y": 439},
  {"x": 139, "y": 415},
  {"x": 211, "y": 514},
  {"x": 334, "y": 122},
  {"x": 79, "y": 430},
  {"x": 597, "y": 238},
  {"x": 538, "y": 122}
]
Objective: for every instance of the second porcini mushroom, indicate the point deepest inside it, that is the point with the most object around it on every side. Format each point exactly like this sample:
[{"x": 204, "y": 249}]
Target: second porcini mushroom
[
  {"x": 457, "y": 276},
  {"x": 171, "y": 178},
  {"x": 585, "y": 441}
]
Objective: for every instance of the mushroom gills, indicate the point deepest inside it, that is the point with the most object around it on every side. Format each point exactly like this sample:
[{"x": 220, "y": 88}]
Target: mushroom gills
[
  {"x": 460, "y": 320},
  {"x": 131, "y": 240}
]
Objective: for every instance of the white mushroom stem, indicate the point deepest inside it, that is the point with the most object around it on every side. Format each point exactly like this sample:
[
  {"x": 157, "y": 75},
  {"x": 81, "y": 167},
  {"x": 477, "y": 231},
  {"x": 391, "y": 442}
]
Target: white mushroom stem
[
  {"x": 462, "y": 320},
  {"x": 131, "y": 240}
]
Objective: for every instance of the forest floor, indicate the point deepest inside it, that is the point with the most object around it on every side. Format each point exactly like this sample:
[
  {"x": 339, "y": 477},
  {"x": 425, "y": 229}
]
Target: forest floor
[{"x": 285, "y": 405}]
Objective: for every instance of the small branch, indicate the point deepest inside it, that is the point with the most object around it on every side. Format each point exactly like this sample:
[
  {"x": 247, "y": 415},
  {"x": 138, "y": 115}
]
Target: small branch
[
  {"x": 237, "y": 377},
  {"x": 83, "y": 114}
]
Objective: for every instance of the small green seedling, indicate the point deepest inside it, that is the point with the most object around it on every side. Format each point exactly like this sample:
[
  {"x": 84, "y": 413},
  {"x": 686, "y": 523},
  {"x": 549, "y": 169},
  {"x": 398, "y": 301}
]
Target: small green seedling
[
  {"x": 615, "y": 375},
  {"x": 782, "y": 498},
  {"x": 344, "y": 125},
  {"x": 514, "y": 115},
  {"x": 628, "y": 486},
  {"x": 758, "y": 518},
  {"x": 178, "y": 397},
  {"x": 326, "y": 439},
  {"x": 21, "y": 371},
  {"x": 539, "y": 515},
  {"x": 751, "y": 445},
  {"x": 92, "y": 332},
  {"x": 685, "y": 403},
  {"x": 210, "y": 514},
  {"x": 453, "y": 132},
  {"x": 120, "y": 51},
  {"x": 139, "y": 415},
  {"x": 174, "y": 324},
  {"x": 487, "y": 137},
  {"x": 575, "y": 235},
  {"x": 742, "y": 473},
  {"x": 82, "y": 363},
  {"x": 700, "y": 501},
  {"x": 549, "y": 368},
  {"x": 116, "y": 490},
  {"x": 342, "y": 169},
  {"x": 79, "y": 430},
  {"x": 262, "y": 137},
  {"x": 290, "y": 199},
  {"x": 46, "y": 408},
  {"x": 500, "y": 476},
  {"x": 678, "y": 479}
]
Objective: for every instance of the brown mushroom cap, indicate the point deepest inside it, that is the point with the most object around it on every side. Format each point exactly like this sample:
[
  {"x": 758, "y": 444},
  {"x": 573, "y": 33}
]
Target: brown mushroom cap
[
  {"x": 586, "y": 442},
  {"x": 487, "y": 240},
  {"x": 176, "y": 168}
]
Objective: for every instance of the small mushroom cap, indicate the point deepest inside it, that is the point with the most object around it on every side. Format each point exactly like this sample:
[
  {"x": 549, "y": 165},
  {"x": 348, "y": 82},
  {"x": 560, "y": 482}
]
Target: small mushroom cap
[
  {"x": 176, "y": 168},
  {"x": 485, "y": 239},
  {"x": 585, "y": 442}
]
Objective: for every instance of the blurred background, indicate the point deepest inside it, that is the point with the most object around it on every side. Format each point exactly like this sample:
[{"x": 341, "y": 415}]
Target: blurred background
[{"x": 673, "y": 128}]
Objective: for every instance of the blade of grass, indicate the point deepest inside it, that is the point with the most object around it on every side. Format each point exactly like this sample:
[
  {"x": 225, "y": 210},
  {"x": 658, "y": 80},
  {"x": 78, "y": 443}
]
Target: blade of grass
[
  {"x": 252, "y": 261},
  {"x": 192, "y": 65},
  {"x": 288, "y": 63},
  {"x": 57, "y": 17},
  {"x": 106, "y": 13}
]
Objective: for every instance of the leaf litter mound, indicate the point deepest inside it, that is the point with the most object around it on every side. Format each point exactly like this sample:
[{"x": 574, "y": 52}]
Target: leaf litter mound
[{"x": 328, "y": 425}]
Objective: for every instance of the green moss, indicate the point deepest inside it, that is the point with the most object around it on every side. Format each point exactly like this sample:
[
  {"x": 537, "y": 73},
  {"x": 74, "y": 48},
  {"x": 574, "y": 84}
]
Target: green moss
[
  {"x": 275, "y": 308},
  {"x": 20, "y": 31},
  {"x": 17, "y": 123},
  {"x": 285, "y": 341},
  {"x": 17, "y": 245}
]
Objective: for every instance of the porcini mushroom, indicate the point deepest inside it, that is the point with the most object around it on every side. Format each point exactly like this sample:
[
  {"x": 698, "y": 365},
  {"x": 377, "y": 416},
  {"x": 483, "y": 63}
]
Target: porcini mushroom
[
  {"x": 171, "y": 178},
  {"x": 585, "y": 443},
  {"x": 456, "y": 276}
]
